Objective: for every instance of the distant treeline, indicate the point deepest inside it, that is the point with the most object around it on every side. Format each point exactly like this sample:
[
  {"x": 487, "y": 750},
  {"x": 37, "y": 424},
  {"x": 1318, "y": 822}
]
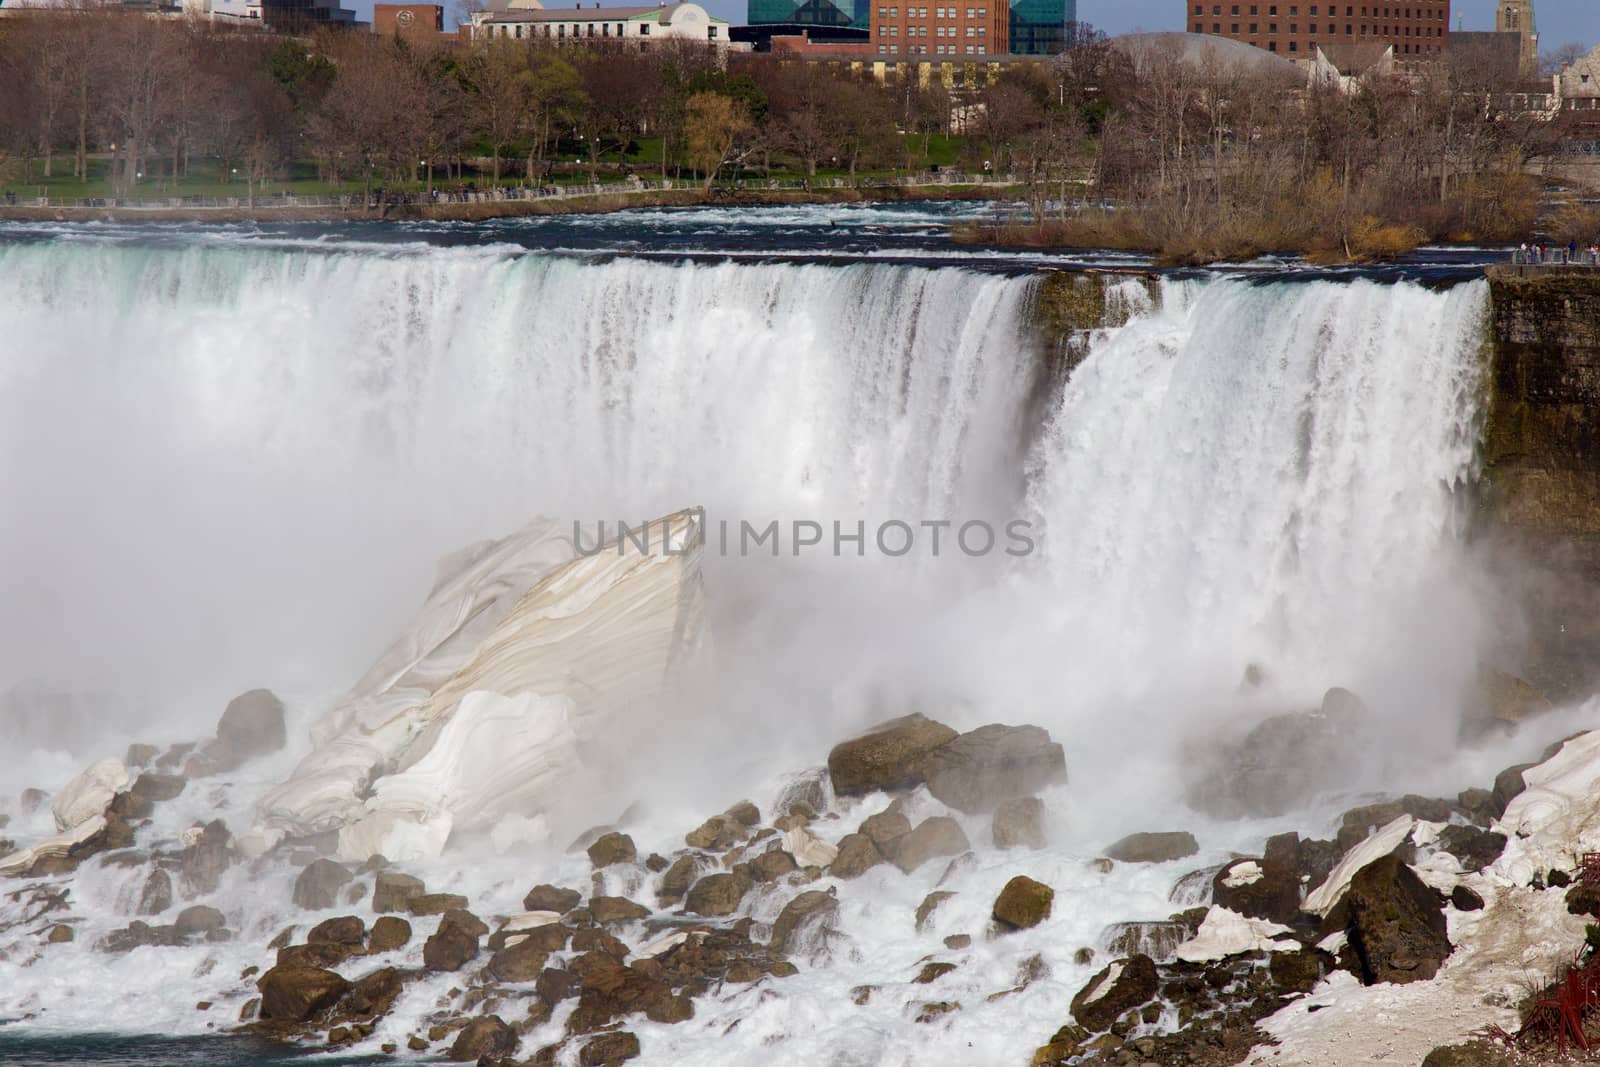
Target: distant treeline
[{"x": 1197, "y": 160}]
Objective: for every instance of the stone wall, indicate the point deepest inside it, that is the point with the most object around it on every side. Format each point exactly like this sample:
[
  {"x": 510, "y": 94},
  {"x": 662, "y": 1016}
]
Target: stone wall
[{"x": 1540, "y": 492}]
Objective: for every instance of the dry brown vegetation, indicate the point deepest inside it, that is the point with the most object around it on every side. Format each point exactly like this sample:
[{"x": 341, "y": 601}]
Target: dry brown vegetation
[{"x": 1199, "y": 163}]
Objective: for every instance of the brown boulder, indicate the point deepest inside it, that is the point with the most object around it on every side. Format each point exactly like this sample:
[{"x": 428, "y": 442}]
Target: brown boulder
[
  {"x": 486, "y": 1036},
  {"x": 389, "y": 932},
  {"x": 612, "y": 848},
  {"x": 993, "y": 763},
  {"x": 718, "y": 894},
  {"x": 319, "y": 884},
  {"x": 1122, "y": 986},
  {"x": 551, "y": 898},
  {"x": 607, "y": 1050},
  {"x": 1161, "y": 847},
  {"x": 884, "y": 828},
  {"x": 610, "y": 989},
  {"x": 1024, "y": 903},
  {"x": 251, "y": 725},
  {"x": 345, "y": 930},
  {"x": 807, "y": 910},
  {"x": 616, "y": 910},
  {"x": 772, "y": 865},
  {"x": 1397, "y": 924},
  {"x": 932, "y": 839},
  {"x": 522, "y": 962},
  {"x": 929, "y": 905},
  {"x": 435, "y": 903},
  {"x": 889, "y": 756},
  {"x": 679, "y": 877},
  {"x": 718, "y": 833},
  {"x": 450, "y": 947},
  {"x": 291, "y": 994},
  {"x": 200, "y": 865},
  {"x": 373, "y": 995},
  {"x": 857, "y": 855},
  {"x": 393, "y": 891},
  {"x": 1258, "y": 889}
]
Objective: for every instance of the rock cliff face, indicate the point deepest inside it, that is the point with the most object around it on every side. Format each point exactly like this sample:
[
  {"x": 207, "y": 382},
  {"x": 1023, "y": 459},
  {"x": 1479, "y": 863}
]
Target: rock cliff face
[{"x": 1541, "y": 485}]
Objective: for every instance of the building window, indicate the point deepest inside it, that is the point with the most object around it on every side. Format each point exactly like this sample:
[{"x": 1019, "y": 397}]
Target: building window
[
  {"x": 883, "y": 12},
  {"x": 605, "y": 30},
  {"x": 1272, "y": 46},
  {"x": 1216, "y": 27},
  {"x": 1234, "y": 29},
  {"x": 1255, "y": 28},
  {"x": 1235, "y": 10},
  {"x": 644, "y": 29},
  {"x": 711, "y": 33},
  {"x": 972, "y": 31},
  {"x": 882, "y": 49},
  {"x": 1272, "y": 27},
  {"x": 1294, "y": 46},
  {"x": 1294, "y": 28},
  {"x": 983, "y": 31}
]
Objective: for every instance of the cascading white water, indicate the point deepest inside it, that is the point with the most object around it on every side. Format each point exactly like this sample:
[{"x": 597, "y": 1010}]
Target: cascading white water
[
  {"x": 225, "y": 466},
  {"x": 1251, "y": 471},
  {"x": 218, "y": 435}
]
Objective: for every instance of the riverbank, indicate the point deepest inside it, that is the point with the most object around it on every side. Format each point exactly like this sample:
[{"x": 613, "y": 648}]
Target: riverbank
[{"x": 492, "y": 208}]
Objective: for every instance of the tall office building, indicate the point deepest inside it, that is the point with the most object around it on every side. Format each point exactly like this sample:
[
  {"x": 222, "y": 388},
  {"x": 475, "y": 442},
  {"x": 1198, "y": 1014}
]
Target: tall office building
[{"x": 1040, "y": 27}]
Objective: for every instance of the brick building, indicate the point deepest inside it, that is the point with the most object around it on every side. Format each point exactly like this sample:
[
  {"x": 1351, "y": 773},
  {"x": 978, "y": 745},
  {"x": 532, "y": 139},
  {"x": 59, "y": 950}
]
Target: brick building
[
  {"x": 412, "y": 21},
  {"x": 1294, "y": 29},
  {"x": 941, "y": 28}
]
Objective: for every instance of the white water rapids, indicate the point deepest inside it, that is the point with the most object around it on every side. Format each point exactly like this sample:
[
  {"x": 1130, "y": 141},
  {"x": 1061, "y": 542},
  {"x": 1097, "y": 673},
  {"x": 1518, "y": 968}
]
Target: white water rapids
[{"x": 223, "y": 467}]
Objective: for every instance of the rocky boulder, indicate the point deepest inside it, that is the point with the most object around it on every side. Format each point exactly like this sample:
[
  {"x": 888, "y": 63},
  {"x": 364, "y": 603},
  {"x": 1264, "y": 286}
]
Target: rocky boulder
[
  {"x": 319, "y": 884},
  {"x": 293, "y": 994},
  {"x": 373, "y": 995},
  {"x": 607, "y": 1050},
  {"x": 1121, "y": 987},
  {"x": 933, "y": 838},
  {"x": 857, "y": 855},
  {"x": 389, "y": 932},
  {"x": 979, "y": 769},
  {"x": 718, "y": 833},
  {"x": 89, "y": 794},
  {"x": 345, "y": 930},
  {"x": 1258, "y": 889},
  {"x": 252, "y": 725},
  {"x": 551, "y": 898},
  {"x": 718, "y": 894},
  {"x": 156, "y": 787},
  {"x": 886, "y": 827},
  {"x": 1284, "y": 760},
  {"x": 436, "y": 903},
  {"x": 1161, "y": 847},
  {"x": 612, "y": 848},
  {"x": 807, "y": 911},
  {"x": 521, "y": 962},
  {"x": 1023, "y": 903},
  {"x": 1396, "y": 923},
  {"x": 616, "y": 910},
  {"x": 450, "y": 948},
  {"x": 1018, "y": 823},
  {"x": 775, "y": 863},
  {"x": 199, "y": 920},
  {"x": 487, "y": 1036},
  {"x": 203, "y": 861},
  {"x": 393, "y": 891},
  {"x": 889, "y": 756},
  {"x": 1474, "y": 846}
]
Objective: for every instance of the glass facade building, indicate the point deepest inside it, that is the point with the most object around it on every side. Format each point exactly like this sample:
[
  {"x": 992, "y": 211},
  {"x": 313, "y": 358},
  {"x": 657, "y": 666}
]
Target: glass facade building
[
  {"x": 832, "y": 14},
  {"x": 1038, "y": 27}
]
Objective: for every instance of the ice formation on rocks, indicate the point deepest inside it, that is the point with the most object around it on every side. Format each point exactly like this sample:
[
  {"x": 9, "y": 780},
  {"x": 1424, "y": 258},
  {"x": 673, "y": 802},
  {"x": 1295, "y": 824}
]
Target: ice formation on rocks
[{"x": 524, "y": 650}]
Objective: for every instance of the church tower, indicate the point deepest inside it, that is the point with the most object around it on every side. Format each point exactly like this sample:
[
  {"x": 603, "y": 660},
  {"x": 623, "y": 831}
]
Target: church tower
[{"x": 1516, "y": 16}]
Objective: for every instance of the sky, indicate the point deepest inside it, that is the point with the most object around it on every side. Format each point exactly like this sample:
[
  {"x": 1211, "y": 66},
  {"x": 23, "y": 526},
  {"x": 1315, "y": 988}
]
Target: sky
[{"x": 1560, "y": 21}]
